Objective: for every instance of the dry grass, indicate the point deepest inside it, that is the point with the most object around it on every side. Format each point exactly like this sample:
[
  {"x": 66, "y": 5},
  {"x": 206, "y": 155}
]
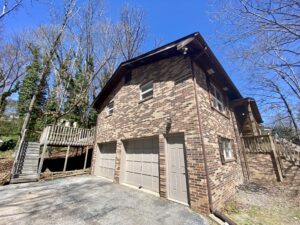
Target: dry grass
[{"x": 260, "y": 204}]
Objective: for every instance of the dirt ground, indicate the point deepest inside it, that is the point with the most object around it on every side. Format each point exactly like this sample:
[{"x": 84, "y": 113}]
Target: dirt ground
[
  {"x": 5, "y": 169},
  {"x": 273, "y": 203}
]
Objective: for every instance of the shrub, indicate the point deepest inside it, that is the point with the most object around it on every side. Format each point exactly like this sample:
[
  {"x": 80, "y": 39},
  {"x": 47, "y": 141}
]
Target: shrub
[{"x": 8, "y": 145}]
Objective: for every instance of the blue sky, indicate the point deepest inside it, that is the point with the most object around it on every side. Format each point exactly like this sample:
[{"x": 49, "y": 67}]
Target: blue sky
[{"x": 165, "y": 20}]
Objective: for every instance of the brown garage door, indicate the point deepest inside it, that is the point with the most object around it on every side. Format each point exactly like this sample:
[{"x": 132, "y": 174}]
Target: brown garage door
[{"x": 141, "y": 163}]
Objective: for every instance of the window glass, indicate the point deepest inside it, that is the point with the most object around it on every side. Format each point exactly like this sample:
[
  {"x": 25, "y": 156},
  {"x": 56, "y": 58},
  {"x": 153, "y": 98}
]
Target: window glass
[
  {"x": 227, "y": 149},
  {"x": 110, "y": 108},
  {"x": 217, "y": 98},
  {"x": 146, "y": 90}
]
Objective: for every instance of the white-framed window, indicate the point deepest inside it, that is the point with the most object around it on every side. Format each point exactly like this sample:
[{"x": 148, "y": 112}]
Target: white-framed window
[
  {"x": 146, "y": 90},
  {"x": 217, "y": 99},
  {"x": 227, "y": 149},
  {"x": 110, "y": 108}
]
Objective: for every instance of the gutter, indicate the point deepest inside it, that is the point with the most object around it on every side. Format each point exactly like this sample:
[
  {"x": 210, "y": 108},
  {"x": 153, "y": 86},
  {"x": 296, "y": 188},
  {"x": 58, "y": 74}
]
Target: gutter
[{"x": 213, "y": 211}]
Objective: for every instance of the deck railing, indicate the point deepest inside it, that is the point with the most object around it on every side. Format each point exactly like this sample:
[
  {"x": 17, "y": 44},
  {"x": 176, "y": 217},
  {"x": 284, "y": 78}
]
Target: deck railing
[
  {"x": 288, "y": 150},
  {"x": 267, "y": 143},
  {"x": 257, "y": 144},
  {"x": 62, "y": 135}
]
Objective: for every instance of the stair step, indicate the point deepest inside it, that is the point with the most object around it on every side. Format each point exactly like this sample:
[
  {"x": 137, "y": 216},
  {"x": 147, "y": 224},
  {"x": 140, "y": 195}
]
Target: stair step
[
  {"x": 29, "y": 172},
  {"x": 32, "y": 150},
  {"x": 32, "y": 158},
  {"x": 31, "y": 161},
  {"x": 23, "y": 180},
  {"x": 29, "y": 165},
  {"x": 35, "y": 158},
  {"x": 29, "y": 175}
]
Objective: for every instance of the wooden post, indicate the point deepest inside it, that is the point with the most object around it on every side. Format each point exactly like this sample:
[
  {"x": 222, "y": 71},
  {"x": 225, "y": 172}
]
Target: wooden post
[
  {"x": 277, "y": 148},
  {"x": 86, "y": 156},
  {"x": 278, "y": 167},
  {"x": 66, "y": 159},
  {"x": 44, "y": 150},
  {"x": 252, "y": 119},
  {"x": 245, "y": 159}
]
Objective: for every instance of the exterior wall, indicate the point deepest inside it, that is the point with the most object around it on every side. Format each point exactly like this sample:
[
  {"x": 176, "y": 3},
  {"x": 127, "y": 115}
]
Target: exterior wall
[
  {"x": 261, "y": 167},
  {"x": 173, "y": 97},
  {"x": 223, "y": 177}
]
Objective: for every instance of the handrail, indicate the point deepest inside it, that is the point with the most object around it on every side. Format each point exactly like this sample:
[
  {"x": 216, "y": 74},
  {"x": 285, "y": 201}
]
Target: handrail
[{"x": 17, "y": 155}]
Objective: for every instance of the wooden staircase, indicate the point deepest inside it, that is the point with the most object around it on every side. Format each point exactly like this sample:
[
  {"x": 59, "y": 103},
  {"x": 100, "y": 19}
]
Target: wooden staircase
[{"x": 25, "y": 167}]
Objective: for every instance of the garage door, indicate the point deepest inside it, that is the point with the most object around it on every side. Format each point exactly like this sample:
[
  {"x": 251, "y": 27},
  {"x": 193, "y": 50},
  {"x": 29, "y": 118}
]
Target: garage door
[
  {"x": 105, "y": 160},
  {"x": 141, "y": 163}
]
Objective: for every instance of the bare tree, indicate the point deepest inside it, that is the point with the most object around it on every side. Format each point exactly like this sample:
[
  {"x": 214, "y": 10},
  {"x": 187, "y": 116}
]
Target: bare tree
[
  {"x": 264, "y": 37},
  {"x": 8, "y": 8},
  {"x": 12, "y": 67},
  {"x": 273, "y": 97},
  {"x": 130, "y": 32},
  {"x": 80, "y": 50},
  {"x": 68, "y": 13}
]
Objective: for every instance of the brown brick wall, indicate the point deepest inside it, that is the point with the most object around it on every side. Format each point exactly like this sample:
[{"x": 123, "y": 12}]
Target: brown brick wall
[
  {"x": 223, "y": 178},
  {"x": 173, "y": 97},
  {"x": 261, "y": 167}
]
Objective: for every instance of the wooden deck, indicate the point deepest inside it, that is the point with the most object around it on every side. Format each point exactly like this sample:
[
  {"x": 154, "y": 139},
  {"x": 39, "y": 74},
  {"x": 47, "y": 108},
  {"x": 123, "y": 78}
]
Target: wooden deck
[{"x": 67, "y": 136}]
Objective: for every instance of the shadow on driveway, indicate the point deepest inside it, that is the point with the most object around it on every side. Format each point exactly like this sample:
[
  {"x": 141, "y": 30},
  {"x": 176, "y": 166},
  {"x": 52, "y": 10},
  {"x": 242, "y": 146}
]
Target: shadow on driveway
[{"x": 88, "y": 200}]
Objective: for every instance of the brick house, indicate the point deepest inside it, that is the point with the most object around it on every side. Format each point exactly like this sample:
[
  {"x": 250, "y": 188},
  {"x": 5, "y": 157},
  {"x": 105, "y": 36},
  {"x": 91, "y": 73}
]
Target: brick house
[{"x": 170, "y": 123}]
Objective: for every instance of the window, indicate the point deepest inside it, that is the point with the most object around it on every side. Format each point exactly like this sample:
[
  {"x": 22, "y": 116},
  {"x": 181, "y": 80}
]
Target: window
[
  {"x": 226, "y": 149},
  {"x": 110, "y": 108},
  {"x": 217, "y": 99},
  {"x": 146, "y": 90}
]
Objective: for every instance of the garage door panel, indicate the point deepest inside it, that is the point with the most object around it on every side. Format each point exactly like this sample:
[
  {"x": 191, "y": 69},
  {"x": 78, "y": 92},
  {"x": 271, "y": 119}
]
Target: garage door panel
[
  {"x": 141, "y": 169},
  {"x": 147, "y": 168},
  {"x": 147, "y": 182},
  {"x": 105, "y": 161},
  {"x": 155, "y": 171}
]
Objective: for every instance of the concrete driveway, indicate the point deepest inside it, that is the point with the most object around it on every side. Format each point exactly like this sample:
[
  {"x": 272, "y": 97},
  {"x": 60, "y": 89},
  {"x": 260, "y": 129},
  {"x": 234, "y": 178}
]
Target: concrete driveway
[{"x": 88, "y": 200}]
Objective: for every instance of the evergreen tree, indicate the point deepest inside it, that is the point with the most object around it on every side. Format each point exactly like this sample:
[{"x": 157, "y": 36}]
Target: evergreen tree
[
  {"x": 77, "y": 85},
  {"x": 27, "y": 89}
]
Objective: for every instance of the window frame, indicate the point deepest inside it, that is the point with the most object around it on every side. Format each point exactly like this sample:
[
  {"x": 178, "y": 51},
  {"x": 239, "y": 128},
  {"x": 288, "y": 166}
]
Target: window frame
[
  {"x": 110, "y": 108},
  {"x": 142, "y": 93},
  {"x": 223, "y": 149},
  {"x": 216, "y": 102}
]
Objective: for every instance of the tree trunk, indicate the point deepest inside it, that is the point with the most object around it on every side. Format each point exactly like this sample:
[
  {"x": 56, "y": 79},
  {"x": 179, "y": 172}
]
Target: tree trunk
[{"x": 288, "y": 109}]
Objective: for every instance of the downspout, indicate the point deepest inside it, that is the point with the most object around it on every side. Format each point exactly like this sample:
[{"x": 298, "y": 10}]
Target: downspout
[{"x": 210, "y": 202}]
